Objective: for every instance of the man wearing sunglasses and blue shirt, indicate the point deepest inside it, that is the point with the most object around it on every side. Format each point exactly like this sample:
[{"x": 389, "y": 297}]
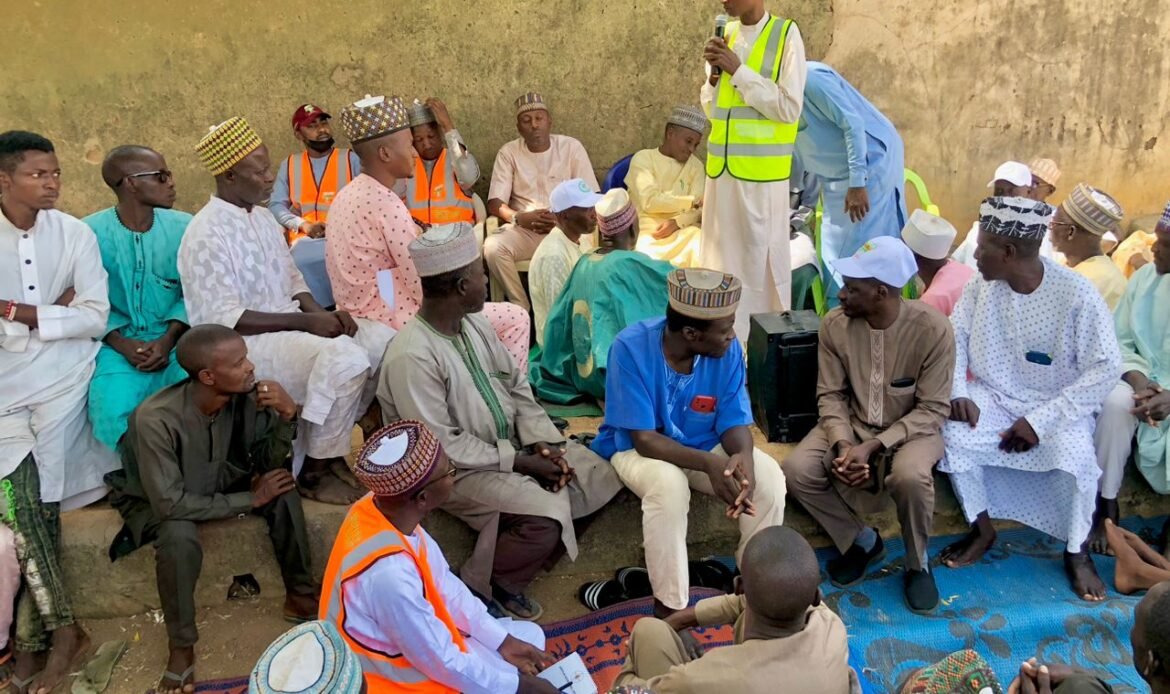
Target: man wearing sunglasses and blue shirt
[{"x": 139, "y": 242}]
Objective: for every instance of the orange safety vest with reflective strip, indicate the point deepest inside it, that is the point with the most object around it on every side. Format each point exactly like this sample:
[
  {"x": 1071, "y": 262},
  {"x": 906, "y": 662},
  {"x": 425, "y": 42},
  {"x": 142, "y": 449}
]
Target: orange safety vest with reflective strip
[
  {"x": 365, "y": 537},
  {"x": 439, "y": 200},
  {"x": 310, "y": 199}
]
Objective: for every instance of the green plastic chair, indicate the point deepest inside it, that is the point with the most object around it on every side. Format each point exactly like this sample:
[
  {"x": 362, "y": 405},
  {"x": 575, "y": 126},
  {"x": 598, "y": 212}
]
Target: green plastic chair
[{"x": 923, "y": 195}]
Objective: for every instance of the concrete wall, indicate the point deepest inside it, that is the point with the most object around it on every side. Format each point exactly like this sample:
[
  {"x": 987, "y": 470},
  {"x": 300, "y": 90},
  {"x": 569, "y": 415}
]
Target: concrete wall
[{"x": 969, "y": 84}]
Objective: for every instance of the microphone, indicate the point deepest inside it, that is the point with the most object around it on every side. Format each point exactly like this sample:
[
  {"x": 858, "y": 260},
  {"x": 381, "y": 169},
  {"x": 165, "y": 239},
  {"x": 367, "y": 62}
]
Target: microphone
[{"x": 720, "y": 28}]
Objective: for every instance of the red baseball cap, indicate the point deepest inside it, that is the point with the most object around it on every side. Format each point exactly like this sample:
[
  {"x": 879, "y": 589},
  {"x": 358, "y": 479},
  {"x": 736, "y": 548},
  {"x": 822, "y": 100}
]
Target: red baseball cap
[{"x": 307, "y": 113}]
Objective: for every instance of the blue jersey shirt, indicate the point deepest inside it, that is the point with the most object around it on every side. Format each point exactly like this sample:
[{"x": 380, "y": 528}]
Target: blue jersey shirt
[{"x": 643, "y": 393}]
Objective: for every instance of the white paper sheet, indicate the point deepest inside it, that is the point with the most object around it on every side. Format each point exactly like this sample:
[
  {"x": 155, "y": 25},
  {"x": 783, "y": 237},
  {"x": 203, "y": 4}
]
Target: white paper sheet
[
  {"x": 386, "y": 287},
  {"x": 570, "y": 675}
]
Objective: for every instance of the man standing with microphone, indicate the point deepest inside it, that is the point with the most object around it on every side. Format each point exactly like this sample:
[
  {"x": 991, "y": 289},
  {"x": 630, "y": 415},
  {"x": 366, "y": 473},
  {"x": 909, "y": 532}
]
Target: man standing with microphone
[{"x": 753, "y": 96}]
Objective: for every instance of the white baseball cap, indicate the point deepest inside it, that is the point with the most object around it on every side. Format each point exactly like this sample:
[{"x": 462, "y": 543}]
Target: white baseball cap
[
  {"x": 1013, "y": 172},
  {"x": 885, "y": 259},
  {"x": 928, "y": 235},
  {"x": 572, "y": 193}
]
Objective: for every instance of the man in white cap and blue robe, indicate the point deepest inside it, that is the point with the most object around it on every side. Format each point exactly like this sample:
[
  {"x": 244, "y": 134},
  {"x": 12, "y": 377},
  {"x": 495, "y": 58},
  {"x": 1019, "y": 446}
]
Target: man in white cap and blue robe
[{"x": 1036, "y": 355}]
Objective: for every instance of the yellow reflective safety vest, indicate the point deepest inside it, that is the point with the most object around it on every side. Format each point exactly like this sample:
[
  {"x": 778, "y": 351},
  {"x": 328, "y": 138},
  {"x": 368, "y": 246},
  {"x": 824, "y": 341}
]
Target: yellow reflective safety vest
[{"x": 743, "y": 142}]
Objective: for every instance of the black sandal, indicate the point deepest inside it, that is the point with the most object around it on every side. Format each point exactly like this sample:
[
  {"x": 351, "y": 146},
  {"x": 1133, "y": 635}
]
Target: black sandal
[{"x": 598, "y": 595}]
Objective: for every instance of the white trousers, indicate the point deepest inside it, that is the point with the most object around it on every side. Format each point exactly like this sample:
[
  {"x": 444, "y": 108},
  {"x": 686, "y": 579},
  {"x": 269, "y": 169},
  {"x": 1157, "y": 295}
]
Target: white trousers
[
  {"x": 665, "y": 491},
  {"x": 1113, "y": 438}
]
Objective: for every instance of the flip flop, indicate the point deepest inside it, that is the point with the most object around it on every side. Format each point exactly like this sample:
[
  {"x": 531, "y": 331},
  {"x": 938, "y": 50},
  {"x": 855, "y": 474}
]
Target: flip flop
[
  {"x": 635, "y": 582},
  {"x": 180, "y": 679},
  {"x": 23, "y": 685},
  {"x": 598, "y": 595},
  {"x": 710, "y": 573},
  {"x": 98, "y": 672}
]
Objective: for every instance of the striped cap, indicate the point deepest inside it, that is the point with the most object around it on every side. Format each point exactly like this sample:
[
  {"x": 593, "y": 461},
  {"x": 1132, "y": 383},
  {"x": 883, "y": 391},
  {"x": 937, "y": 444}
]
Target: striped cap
[
  {"x": 373, "y": 116},
  {"x": 530, "y": 101},
  {"x": 1046, "y": 170},
  {"x": 420, "y": 114},
  {"x": 1093, "y": 210},
  {"x": 689, "y": 117},
  {"x": 703, "y": 294},
  {"x": 226, "y": 144},
  {"x": 615, "y": 213},
  {"x": 398, "y": 458},
  {"x": 310, "y": 658}
]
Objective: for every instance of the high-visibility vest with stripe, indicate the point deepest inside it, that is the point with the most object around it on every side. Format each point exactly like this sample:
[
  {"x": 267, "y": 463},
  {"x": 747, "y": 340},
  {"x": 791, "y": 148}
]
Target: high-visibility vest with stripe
[
  {"x": 364, "y": 538},
  {"x": 439, "y": 199},
  {"x": 310, "y": 199},
  {"x": 743, "y": 142}
]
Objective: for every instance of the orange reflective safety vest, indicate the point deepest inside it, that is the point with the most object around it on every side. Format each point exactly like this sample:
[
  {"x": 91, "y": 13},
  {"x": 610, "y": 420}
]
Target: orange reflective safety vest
[
  {"x": 310, "y": 199},
  {"x": 439, "y": 199},
  {"x": 364, "y": 538}
]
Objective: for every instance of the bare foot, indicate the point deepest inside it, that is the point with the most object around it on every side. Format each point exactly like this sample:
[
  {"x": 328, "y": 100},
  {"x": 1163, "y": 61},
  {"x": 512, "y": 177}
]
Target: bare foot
[
  {"x": 180, "y": 672},
  {"x": 968, "y": 550},
  {"x": 319, "y": 482},
  {"x": 1133, "y": 572},
  {"x": 1107, "y": 509},
  {"x": 70, "y": 645},
  {"x": 1146, "y": 552},
  {"x": 25, "y": 668},
  {"x": 1083, "y": 576},
  {"x": 300, "y": 608}
]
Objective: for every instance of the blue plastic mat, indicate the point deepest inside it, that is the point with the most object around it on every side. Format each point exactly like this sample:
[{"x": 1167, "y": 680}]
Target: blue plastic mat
[{"x": 1013, "y": 605}]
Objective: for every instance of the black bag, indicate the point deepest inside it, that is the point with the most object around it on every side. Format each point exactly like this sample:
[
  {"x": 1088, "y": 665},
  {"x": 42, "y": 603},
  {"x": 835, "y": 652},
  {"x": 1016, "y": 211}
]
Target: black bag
[{"x": 782, "y": 373}]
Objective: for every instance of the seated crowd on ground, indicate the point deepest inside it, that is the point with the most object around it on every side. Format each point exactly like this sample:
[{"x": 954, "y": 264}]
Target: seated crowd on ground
[{"x": 205, "y": 367}]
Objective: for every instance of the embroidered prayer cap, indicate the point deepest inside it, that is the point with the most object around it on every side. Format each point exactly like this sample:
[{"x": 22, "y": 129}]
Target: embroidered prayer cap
[
  {"x": 1013, "y": 172},
  {"x": 1165, "y": 220},
  {"x": 1017, "y": 218},
  {"x": 398, "y": 458},
  {"x": 928, "y": 235},
  {"x": 373, "y": 116},
  {"x": 420, "y": 114},
  {"x": 226, "y": 144},
  {"x": 444, "y": 248},
  {"x": 307, "y": 113},
  {"x": 310, "y": 658},
  {"x": 1046, "y": 170},
  {"x": 689, "y": 117},
  {"x": 530, "y": 101},
  {"x": 615, "y": 212},
  {"x": 885, "y": 259},
  {"x": 574, "y": 192},
  {"x": 1093, "y": 210},
  {"x": 964, "y": 671},
  {"x": 703, "y": 294}
]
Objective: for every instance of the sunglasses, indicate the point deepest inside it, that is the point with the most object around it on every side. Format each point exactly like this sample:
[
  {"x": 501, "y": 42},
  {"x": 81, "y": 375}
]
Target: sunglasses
[{"x": 161, "y": 175}]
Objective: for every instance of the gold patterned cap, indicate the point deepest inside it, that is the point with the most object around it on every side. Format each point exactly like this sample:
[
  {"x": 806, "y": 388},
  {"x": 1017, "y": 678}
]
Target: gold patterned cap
[
  {"x": 226, "y": 144},
  {"x": 704, "y": 294},
  {"x": 530, "y": 101},
  {"x": 373, "y": 116},
  {"x": 1093, "y": 210},
  {"x": 398, "y": 458}
]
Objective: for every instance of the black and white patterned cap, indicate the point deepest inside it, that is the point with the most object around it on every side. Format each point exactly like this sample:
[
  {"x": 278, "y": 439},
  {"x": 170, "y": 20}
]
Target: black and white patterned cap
[{"x": 1017, "y": 218}]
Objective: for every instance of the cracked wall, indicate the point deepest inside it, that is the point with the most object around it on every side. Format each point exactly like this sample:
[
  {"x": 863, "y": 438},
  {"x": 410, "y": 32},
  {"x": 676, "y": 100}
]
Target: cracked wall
[{"x": 969, "y": 85}]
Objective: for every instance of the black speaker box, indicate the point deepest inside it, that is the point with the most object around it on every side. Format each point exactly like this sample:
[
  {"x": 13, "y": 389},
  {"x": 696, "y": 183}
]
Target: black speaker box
[{"x": 782, "y": 373}]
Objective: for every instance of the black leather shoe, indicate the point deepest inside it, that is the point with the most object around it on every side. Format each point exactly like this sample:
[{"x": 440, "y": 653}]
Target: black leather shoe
[
  {"x": 852, "y": 566},
  {"x": 921, "y": 591}
]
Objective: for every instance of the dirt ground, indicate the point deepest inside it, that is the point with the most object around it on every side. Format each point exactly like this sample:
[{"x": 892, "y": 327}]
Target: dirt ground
[{"x": 232, "y": 636}]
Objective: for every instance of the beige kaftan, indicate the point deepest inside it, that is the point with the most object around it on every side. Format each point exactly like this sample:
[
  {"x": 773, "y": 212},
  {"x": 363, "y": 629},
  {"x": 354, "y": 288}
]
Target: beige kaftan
[{"x": 474, "y": 398}]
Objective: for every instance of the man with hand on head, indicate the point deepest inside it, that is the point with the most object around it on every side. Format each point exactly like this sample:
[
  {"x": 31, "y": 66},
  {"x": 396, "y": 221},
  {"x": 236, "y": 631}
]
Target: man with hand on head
[
  {"x": 212, "y": 447},
  {"x": 444, "y": 171}
]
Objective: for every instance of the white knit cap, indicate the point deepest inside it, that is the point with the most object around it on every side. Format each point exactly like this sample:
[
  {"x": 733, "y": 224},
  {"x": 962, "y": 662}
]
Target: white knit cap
[{"x": 928, "y": 235}]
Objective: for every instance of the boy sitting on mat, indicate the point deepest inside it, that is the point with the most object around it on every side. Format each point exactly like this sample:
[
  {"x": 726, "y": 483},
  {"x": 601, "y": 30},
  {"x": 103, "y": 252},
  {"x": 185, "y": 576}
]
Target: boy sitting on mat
[{"x": 783, "y": 632}]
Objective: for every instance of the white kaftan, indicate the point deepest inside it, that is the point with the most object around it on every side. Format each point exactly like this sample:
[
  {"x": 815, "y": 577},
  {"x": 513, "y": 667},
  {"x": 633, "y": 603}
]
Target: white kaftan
[
  {"x": 1001, "y": 339},
  {"x": 745, "y": 225},
  {"x": 45, "y": 373},
  {"x": 231, "y": 261},
  {"x": 386, "y": 611}
]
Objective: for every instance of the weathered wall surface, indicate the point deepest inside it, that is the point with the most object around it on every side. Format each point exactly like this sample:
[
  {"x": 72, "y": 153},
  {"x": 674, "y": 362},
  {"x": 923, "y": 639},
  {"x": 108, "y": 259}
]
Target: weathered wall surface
[{"x": 969, "y": 84}]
